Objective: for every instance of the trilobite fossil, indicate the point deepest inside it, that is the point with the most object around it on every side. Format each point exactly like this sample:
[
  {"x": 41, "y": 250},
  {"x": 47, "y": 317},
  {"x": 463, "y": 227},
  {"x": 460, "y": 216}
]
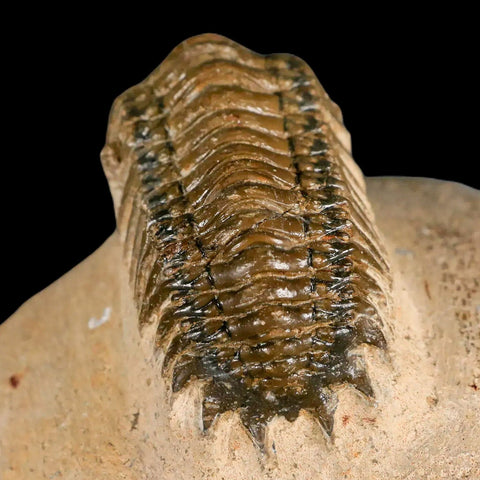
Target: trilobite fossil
[{"x": 251, "y": 246}]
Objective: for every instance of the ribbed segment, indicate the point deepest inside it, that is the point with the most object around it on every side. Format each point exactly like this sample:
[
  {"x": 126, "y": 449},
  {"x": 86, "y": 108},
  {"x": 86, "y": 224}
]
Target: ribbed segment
[{"x": 250, "y": 241}]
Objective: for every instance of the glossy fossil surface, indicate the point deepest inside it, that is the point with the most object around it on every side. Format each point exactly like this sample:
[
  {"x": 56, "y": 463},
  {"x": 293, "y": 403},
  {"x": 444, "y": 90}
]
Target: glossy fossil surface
[{"x": 250, "y": 241}]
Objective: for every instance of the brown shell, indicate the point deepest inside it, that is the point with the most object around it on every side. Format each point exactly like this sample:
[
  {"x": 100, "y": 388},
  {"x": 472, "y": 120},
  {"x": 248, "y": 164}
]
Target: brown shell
[{"x": 250, "y": 241}]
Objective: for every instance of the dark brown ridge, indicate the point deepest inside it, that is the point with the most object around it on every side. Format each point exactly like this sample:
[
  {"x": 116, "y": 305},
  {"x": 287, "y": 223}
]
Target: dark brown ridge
[{"x": 251, "y": 243}]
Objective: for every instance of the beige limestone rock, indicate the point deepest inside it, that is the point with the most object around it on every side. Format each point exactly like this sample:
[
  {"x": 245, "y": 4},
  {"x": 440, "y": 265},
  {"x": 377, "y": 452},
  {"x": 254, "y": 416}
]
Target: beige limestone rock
[{"x": 81, "y": 395}]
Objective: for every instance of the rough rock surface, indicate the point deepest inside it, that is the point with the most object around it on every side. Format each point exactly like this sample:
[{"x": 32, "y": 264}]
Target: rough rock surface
[{"x": 83, "y": 399}]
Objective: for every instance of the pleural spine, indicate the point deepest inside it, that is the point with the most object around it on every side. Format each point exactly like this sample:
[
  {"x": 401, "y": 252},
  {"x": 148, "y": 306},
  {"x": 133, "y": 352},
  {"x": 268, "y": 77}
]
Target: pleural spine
[{"x": 250, "y": 242}]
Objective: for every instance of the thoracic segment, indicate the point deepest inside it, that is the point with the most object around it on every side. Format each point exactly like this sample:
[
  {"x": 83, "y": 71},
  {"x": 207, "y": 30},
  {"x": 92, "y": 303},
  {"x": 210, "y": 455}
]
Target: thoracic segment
[{"x": 250, "y": 241}]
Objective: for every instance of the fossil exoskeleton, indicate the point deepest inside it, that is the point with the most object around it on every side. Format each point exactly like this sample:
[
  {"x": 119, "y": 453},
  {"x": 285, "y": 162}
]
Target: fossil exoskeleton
[{"x": 251, "y": 245}]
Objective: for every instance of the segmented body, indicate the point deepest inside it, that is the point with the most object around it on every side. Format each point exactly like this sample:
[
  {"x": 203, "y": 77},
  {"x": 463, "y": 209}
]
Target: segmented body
[{"x": 251, "y": 245}]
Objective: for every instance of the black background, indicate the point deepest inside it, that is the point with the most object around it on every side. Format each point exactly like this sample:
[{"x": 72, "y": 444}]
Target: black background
[{"x": 403, "y": 79}]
